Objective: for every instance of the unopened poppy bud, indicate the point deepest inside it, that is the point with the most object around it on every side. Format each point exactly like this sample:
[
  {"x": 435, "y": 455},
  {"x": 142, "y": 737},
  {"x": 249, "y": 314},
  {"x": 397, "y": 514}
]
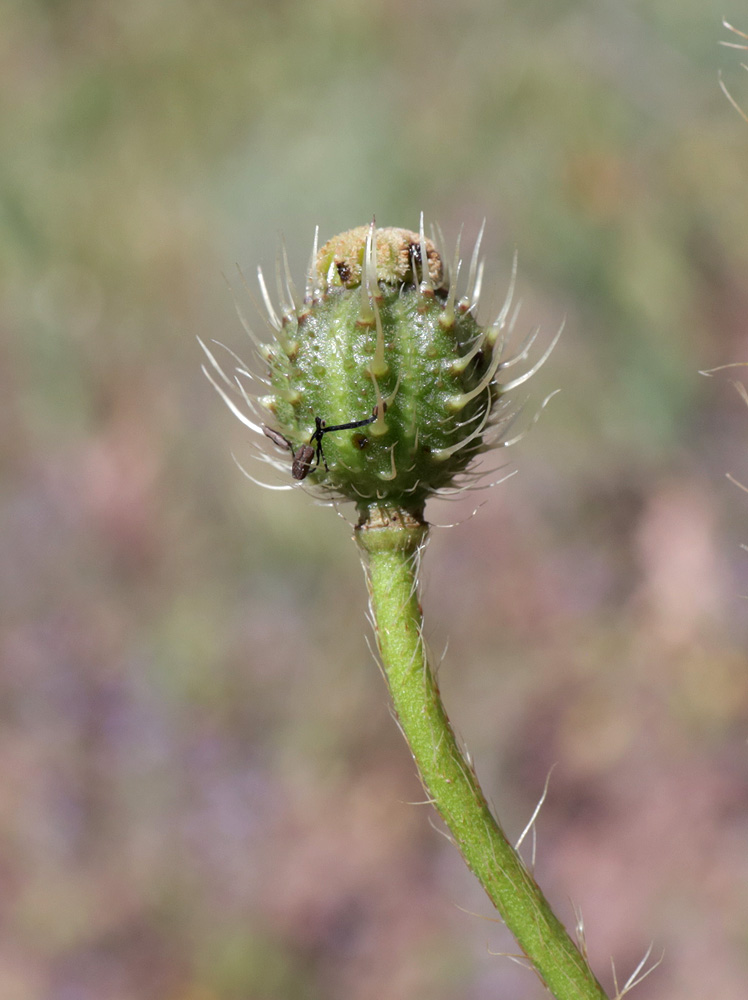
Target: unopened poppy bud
[{"x": 383, "y": 386}]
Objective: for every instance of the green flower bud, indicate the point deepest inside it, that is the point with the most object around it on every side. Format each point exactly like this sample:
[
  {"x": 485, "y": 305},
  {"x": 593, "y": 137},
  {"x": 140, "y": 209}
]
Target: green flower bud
[{"x": 382, "y": 384}]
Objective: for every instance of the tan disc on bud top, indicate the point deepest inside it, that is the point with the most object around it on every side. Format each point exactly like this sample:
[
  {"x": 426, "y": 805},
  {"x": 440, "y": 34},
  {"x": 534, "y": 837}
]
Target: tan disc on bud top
[{"x": 340, "y": 262}]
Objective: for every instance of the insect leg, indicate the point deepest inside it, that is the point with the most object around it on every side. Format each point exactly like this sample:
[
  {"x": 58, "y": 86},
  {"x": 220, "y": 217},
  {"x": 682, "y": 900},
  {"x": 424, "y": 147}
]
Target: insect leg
[{"x": 277, "y": 438}]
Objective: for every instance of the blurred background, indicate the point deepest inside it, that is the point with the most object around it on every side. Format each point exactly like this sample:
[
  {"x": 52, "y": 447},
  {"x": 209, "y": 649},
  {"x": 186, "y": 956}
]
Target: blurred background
[{"x": 202, "y": 793}]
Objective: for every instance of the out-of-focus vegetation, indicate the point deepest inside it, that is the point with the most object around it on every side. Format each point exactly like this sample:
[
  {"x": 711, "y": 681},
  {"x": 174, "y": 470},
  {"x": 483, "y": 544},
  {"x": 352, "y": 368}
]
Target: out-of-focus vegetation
[{"x": 203, "y": 794}]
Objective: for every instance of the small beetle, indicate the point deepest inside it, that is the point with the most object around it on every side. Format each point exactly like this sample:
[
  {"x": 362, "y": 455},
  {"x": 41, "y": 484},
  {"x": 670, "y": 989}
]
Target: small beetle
[{"x": 303, "y": 456}]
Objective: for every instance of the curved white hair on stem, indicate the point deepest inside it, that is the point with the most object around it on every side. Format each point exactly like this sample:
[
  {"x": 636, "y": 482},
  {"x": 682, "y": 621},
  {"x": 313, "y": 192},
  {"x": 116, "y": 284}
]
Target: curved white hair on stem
[{"x": 734, "y": 45}]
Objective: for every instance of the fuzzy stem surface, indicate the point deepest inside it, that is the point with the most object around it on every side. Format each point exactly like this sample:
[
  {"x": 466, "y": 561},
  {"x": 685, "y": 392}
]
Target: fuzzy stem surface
[{"x": 393, "y": 542}]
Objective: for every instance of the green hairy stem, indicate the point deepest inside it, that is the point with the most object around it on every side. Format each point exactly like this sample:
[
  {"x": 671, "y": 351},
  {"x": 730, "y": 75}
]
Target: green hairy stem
[{"x": 392, "y": 543}]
